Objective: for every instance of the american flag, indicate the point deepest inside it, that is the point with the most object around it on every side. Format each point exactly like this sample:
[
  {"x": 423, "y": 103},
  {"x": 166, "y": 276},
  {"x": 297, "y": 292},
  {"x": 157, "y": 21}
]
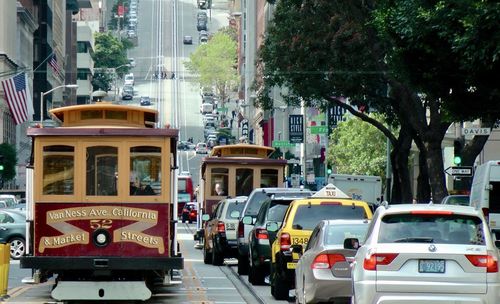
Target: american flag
[
  {"x": 54, "y": 65},
  {"x": 18, "y": 97}
]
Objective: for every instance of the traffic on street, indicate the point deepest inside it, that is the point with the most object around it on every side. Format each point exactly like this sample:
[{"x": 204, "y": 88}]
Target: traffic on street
[{"x": 249, "y": 151}]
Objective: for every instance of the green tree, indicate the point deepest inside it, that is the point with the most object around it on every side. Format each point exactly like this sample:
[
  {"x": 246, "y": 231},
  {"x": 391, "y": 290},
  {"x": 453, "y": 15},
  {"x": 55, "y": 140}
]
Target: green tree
[
  {"x": 357, "y": 147},
  {"x": 395, "y": 57},
  {"x": 9, "y": 154},
  {"x": 214, "y": 63},
  {"x": 109, "y": 53}
]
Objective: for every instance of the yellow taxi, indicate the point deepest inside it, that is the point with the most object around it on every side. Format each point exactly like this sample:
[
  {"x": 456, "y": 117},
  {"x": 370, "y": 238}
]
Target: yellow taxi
[{"x": 301, "y": 218}]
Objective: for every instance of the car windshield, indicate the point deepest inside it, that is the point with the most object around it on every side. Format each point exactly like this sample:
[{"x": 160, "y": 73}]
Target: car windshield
[
  {"x": 336, "y": 234},
  {"x": 255, "y": 202},
  {"x": 9, "y": 201},
  {"x": 462, "y": 200},
  {"x": 234, "y": 206},
  {"x": 431, "y": 228},
  {"x": 308, "y": 216},
  {"x": 277, "y": 211}
]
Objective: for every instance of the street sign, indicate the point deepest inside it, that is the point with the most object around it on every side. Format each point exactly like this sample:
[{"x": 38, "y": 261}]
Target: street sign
[
  {"x": 459, "y": 171},
  {"x": 222, "y": 110},
  {"x": 296, "y": 128},
  {"x": 319, "y": 129},
  {"x": 476, "y": 131},
  {"x": 244, "y": 128},
  {"x": 282, "y": 144}
]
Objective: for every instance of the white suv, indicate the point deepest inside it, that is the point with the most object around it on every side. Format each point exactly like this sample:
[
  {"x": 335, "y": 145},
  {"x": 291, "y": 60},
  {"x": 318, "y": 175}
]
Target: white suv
[{"x": 427, "y": 254}]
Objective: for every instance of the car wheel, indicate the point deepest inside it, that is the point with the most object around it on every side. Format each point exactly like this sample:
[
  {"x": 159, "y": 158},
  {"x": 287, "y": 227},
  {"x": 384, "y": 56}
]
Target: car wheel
[
  {"x": 256, "y": 275},
  {"x": 207, "y": 257},
  {"x": 279, "y": 286},
  {"x": 17, "y": 248},
  {"x": 242, "y": 265},
  {"x": 217, "y": 258}
]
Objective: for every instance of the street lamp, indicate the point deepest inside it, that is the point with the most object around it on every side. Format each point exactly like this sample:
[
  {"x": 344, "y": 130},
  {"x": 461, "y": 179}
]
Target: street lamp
[{"x": 69, "y": 86}]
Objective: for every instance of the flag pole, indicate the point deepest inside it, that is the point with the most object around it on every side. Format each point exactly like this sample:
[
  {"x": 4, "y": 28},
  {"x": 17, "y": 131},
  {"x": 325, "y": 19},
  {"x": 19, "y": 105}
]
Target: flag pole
[{"x": 50, "y": 55}]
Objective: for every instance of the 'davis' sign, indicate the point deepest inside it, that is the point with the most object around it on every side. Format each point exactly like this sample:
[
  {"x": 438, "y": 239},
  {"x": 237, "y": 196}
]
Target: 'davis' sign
[{"x": 296, "y": 128}]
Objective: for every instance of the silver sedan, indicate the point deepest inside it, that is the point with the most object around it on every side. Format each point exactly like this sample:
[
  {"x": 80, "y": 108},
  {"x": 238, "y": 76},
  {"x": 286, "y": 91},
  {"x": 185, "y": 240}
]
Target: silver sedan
[{"x": 323, "y": 273}]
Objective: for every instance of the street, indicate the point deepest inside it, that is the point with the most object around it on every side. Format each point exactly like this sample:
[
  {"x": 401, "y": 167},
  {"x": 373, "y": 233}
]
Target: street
[{"x": 200, "y": 283}]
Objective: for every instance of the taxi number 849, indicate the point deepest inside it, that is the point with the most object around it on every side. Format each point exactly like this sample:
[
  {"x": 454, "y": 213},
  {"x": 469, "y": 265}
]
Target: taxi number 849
[{"x": 299, "y": 241}]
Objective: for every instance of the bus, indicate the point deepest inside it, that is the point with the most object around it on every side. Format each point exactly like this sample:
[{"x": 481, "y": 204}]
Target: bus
[
  {"x": 100, "y": 204},
  {"x": 235, "y": 170},
  {"x": 185, "y": 191}
]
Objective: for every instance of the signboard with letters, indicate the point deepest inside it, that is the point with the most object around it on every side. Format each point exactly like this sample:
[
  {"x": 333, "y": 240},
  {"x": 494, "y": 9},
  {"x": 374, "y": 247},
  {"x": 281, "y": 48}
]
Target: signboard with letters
[
  {"x": 296, "y": 128},
  {"x": 476, "y": 131},
  {"x": 459, "y": 171}
]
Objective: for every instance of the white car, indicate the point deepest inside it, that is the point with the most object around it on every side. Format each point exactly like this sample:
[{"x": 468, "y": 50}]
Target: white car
[
  {"x": 427, "y": 254},
  {"x": 201, "y": 148}
]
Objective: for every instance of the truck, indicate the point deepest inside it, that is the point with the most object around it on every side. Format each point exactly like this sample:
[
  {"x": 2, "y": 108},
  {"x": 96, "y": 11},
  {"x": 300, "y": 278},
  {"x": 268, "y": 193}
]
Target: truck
[
  {"x": 366, "y": 188},
  {"x": 485, "y": 192}
]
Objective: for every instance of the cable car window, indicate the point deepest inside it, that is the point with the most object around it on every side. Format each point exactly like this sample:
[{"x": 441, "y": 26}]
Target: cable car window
[
  {"x": 268, "y": 178},
  {"x": 219, "y": 180},
  {"x": 244, "y": 182},
  {"x": 102, "y": 170},
  {"x": 58, "y": 170},
  {"x": 145, "y": 170}
]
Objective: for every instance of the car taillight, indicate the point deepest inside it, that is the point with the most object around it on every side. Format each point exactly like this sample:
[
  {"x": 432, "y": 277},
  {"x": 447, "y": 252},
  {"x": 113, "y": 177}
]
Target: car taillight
[
  {"x": 326, "y": 261},
  {"x": 261, "y": 234},
  {"x": 488, "y": 261},
  {"x": 221, "y": 228},
  {"x": 241, "y": 230},
  {"x": 285, "y": 241},
  {"x": 372, "y": 260}
]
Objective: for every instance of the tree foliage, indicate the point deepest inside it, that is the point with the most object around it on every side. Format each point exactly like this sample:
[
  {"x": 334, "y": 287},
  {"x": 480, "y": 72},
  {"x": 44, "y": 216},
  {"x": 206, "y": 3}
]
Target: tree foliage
[
  {"x": 357, "y": 147},
  {"x": 214, "y": 64},
  {"x": 416, "y": 61},
  {"x": 109, "y": 53},
  {"x": 9, "y": 154}
]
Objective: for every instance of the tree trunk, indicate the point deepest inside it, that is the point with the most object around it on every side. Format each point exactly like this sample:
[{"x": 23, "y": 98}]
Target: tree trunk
[
  {"x": 401, "y": 190},
  {"x": 423, "y": 186},
  {"x": 436, "y": 171}
]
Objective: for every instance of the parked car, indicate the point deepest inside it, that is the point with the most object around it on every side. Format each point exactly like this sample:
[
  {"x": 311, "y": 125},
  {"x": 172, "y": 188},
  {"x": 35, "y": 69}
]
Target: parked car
[
  {"x": 431, "y": 253},
  {"x": 145, "y": 101},
  {"x": 13, "y": 231},
  {"x": 189, "y": 213},
  {"x": 201, "y": 148},
  {"x": 323, "y": 273},
  {"x": 300, "y": 220},
  {"x": 259, "y": 239},
  {"x": 131, "y": 61},
  {"x": 127, "y": 93},
  {"x": 255, "y": 200},
  {"x": 201, "y": 15},
  {"x": 462, "y": 200},
  {"x": 220, "y": 230},
  {"x": 187, "y": 39},
  {"x": 9, "y": 199}
]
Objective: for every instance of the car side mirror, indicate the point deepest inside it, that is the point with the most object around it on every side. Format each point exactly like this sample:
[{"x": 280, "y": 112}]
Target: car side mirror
[
  {"x": 351, "y": 243},
  {"x": 497, "y": 244},
  {"x": 205, "y": 217},
  {"x": 247, "y": 220},
  {"x": 272, "y": 227},
  {"x": 235, "y": 214}
]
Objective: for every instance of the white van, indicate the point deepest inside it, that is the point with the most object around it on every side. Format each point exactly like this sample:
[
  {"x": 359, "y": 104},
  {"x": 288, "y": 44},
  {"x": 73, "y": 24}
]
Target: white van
[
  {"x": 206, "y": 108},
  {"x": 129, "y": 79},
  {"x": 485, "y": 192}
]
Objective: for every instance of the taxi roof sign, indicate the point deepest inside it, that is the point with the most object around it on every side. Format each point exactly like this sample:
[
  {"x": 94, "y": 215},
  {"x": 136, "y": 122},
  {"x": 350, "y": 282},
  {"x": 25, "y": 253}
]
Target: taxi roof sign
[{"x": 330, "y": 191}]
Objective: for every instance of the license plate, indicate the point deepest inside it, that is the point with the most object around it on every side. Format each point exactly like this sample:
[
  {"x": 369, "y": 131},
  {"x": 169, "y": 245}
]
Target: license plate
[
  {"x": 231, "y": 226},
  {"x": 291, "y": 265},
  {"x": 431, "y": 266},
  {"x": 299, "y": 241}
]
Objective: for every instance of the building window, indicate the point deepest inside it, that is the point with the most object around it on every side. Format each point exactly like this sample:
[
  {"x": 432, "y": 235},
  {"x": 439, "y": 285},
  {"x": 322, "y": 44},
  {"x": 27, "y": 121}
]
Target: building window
[
  {"x": 82, "y": 74},
  {"x": 82, "y": 47}
]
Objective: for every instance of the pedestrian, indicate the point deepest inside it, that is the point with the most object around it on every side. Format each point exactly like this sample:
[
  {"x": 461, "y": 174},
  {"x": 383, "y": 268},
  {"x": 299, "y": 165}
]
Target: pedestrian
[
  {"x": 233, "y": 113},
  {"x": 231, "y": 121}
]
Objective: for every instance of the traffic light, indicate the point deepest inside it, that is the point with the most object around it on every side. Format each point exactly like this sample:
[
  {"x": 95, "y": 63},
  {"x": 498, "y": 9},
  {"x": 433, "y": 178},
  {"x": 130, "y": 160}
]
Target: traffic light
[{"x": 457, "y": 149}]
